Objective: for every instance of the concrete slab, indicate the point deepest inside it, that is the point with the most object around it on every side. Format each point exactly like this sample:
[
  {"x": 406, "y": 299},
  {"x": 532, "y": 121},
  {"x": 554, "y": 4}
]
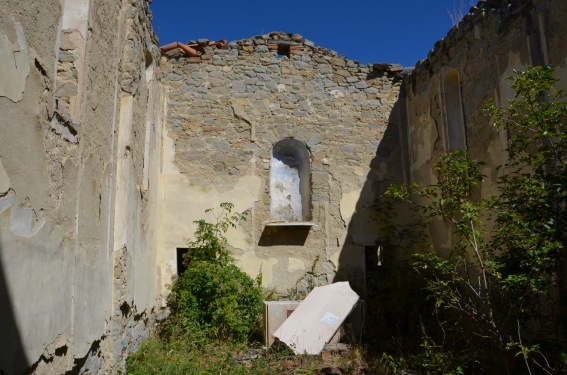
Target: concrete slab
[{"x": 317, "y": 318}]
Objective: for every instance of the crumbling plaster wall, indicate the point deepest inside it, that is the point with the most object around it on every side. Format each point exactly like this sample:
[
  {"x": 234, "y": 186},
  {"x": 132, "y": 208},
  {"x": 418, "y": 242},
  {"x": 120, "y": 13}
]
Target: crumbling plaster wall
[
  {"x": 484, "y": 48},
  {"x": 80, "y": 141},
  {"x": 227, "y": 109}
]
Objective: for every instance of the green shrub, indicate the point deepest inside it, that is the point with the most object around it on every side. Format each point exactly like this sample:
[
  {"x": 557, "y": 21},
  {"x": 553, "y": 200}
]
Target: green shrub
[
  {"x": 497, "y": 295},
  {"x": 220, "y": 298},
  {"x": 213, "y": 295}
]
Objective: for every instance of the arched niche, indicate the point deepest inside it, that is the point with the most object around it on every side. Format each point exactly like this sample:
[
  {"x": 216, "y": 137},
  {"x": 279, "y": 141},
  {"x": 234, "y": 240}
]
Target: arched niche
[
  {"x": 456, "y": 138},
  {"x": 290, "y": 182}
]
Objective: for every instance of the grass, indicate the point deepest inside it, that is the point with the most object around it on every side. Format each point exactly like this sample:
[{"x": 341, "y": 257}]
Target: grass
[{"x": 183, "y": 356}]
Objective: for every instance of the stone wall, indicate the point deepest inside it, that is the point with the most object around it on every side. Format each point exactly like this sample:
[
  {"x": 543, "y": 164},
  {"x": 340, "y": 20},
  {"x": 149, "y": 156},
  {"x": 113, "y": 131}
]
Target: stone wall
[
  {"x": 226, "y": 111},
  {"x": 479, "y": 53},
  {"x": 79, "y": 143}
]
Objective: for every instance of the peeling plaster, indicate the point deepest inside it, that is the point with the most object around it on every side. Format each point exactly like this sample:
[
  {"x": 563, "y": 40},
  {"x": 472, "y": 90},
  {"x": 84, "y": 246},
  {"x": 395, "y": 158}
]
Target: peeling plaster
[
  {"x": 191, "y": 201},
  {"x": 22, "y": 223},
  {"x": 253, "y": 265},
  {"x": 284, "y": 188},
  {"x": 14, "y": 65}
]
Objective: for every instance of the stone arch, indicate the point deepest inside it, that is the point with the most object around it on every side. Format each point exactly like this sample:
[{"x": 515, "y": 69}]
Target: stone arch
[
  {"x": 456, "y": 137},
  {"x": 290, "y": 182}
]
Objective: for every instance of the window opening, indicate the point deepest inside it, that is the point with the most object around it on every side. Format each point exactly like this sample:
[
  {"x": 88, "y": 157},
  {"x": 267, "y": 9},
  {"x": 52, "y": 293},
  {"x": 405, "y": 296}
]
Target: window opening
[
  {"x": 181, "y": 251},
  {"x": 284, "y": 50},
  {"x": 374, "y": 258}
]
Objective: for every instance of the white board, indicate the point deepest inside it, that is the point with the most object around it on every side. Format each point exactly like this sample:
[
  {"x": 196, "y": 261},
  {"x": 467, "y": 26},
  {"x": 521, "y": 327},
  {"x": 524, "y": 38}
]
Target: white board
[{"x": 317, "y": 318}]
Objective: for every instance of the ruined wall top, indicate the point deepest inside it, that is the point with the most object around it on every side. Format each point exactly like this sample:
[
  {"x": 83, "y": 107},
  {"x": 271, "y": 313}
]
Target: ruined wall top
[
  {"x": 284, "y": 44},
  {"x": 505, "y": 10}
]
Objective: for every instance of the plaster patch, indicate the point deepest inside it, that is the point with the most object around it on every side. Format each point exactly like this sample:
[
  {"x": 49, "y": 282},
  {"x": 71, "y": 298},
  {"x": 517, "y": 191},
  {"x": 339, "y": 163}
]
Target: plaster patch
[
  {"x": 76, "y": 15},
  {"x": 348, "y": 204},
  {"x": 41, "y": 313},
  {"x": 198, "y": 199},
  {"x": 21, "y": 219},
  {"x": 184, "y": 203},
  {"x": 252, "y": 265},
  {"x": 4, "y": 179},
  {"x": 295, "y": 264},
  {"x": 14, "y": 65}
]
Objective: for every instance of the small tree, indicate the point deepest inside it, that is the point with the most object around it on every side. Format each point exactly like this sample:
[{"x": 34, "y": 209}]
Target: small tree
[
  {"x": 500, "y": 287},
  {"x": 530, "y": 237}
]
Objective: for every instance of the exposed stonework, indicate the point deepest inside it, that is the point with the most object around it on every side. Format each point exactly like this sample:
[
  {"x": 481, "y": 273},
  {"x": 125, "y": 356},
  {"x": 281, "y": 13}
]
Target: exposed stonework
[{"x": 225, "y": 114}]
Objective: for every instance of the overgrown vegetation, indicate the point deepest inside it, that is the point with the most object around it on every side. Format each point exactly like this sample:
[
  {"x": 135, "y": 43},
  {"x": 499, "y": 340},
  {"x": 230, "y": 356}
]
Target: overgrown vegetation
[
  {"x": 490, "y": 298},
  {"x": 460, "y": 9},
  {"x": 214, "y": 305},
  {"x": 495, "y": 295},
  {"x": 215, "y": 326}
]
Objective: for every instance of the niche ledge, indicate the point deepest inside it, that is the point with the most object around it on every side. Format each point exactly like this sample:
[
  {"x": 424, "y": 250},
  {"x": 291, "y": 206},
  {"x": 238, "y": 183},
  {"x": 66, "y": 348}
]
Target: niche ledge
[{"x": 290, "y": 224}]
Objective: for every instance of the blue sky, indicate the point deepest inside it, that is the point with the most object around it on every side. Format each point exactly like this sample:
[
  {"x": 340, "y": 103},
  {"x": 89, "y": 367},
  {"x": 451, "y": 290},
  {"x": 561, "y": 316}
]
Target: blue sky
[{"x": 370, "y": 31}]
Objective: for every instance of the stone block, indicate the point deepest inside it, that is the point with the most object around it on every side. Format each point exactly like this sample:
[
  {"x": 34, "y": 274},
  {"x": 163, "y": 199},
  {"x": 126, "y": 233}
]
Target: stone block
[
  {"x": 315, "y": 139},
  {"x": 325, "y": 69},
  {"x": 238, "y": 86},
  {"x": 347, "y": 149},
  {"x": 193, "y": 155},
  {"x": 319, "y": 177},
  {"x": 300, "y": 65},
  {"x": 173, "y": 77},
  {"x": 220, "y": 144},
  {"x": 338, "y": 61}
]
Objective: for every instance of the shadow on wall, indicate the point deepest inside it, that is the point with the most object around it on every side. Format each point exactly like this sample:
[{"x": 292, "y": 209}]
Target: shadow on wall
[
  {"x": 361, "y": 253},
  {"x": 12, "y": 356},
  {"x": 284, "y": 236}
]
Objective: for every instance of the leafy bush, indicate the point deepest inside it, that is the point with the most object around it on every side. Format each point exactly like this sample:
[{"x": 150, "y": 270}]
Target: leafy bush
[
  {"x": 213, "y": 295},
  {"x": 221, "y": 299}
]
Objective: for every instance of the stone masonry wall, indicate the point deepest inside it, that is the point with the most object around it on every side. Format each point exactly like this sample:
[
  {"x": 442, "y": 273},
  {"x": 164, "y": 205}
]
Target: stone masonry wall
[
  {"x": 79, "y": 143},
  {"x": 228, "y": 107}
]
